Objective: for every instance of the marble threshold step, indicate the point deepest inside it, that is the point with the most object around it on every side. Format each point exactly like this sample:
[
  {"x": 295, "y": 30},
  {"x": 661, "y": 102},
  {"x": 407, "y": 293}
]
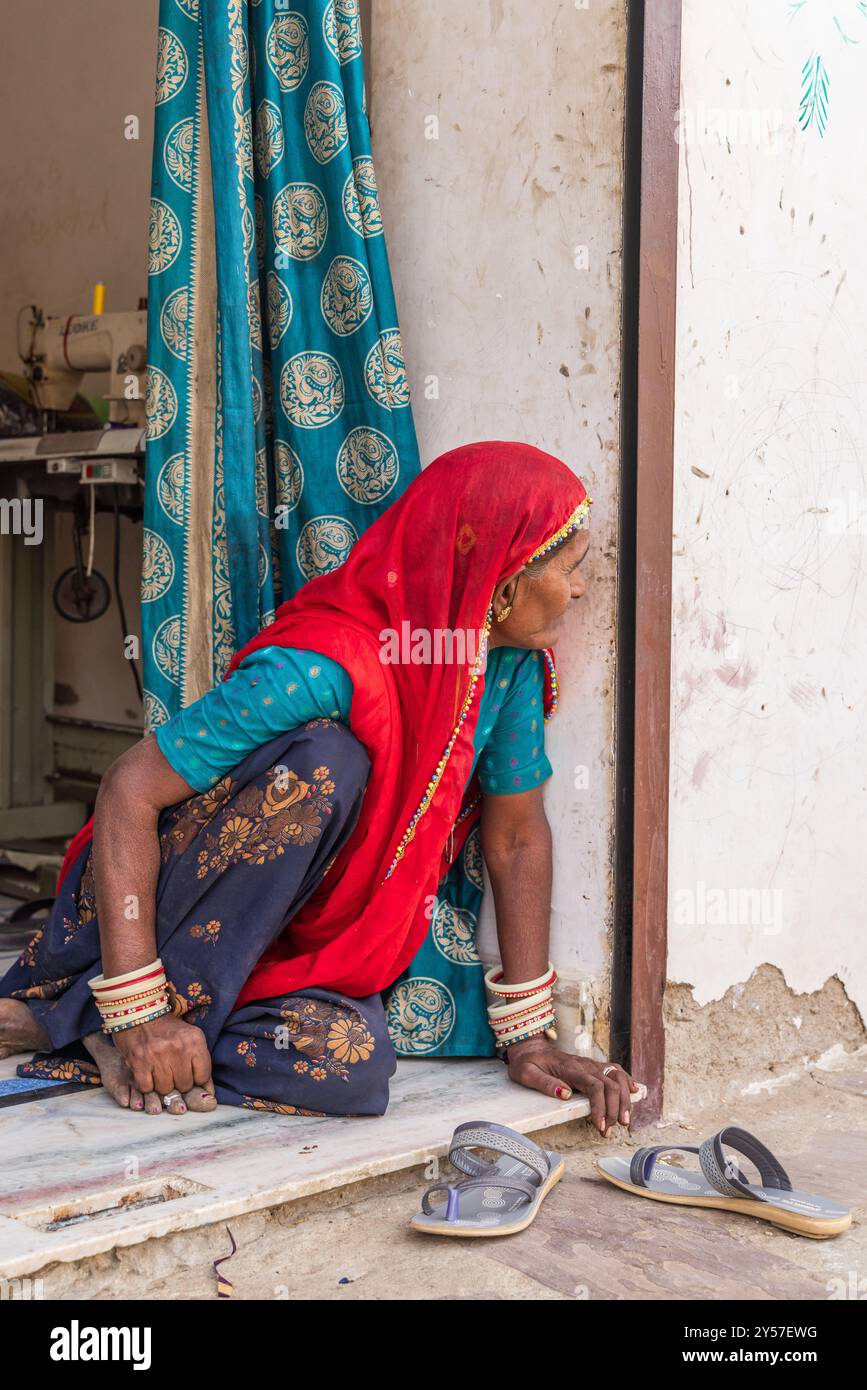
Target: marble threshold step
[{"x": 79, "y": 1176}]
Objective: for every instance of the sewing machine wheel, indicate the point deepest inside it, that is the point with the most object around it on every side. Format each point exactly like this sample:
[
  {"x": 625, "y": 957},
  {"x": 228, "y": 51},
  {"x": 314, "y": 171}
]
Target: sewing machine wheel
[{"x": 80, "y": 598}]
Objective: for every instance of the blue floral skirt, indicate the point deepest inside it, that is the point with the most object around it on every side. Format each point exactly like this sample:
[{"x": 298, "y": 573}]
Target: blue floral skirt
[{"x": 237, "y": 862}]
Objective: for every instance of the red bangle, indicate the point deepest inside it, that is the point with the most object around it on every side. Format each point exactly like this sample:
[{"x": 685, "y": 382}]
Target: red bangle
[
  {"x": 525, "y": 1023},
  {"x": 128, "y": 984},
  {"x": 506, "y": 992},
  {"x": 156, "y": 1002}
]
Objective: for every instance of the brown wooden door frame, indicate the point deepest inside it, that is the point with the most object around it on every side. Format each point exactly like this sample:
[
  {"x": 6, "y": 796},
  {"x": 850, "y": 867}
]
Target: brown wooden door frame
[{"x": 644, "y": 623}]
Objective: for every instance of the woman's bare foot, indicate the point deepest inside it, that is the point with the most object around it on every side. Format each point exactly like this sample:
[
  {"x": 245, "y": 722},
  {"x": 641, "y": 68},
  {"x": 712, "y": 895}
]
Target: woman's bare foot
[
  {"x": 115, "y": 1076},
  {"x": 19, "y": 1030}
]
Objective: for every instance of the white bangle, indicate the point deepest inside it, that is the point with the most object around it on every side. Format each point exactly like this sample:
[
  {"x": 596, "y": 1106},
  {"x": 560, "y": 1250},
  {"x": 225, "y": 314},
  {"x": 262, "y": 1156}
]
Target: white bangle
[{"x": 526, "y": 987}]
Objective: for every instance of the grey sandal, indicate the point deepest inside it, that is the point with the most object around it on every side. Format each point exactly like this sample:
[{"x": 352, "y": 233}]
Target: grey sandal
[
  {"x": 495, "y": 1199},
  {"x": 721, "y": 1184}
]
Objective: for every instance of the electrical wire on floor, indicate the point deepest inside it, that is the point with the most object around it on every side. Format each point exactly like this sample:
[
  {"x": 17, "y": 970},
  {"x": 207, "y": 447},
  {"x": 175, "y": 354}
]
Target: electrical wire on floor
[{"x": 118, "y": 596}]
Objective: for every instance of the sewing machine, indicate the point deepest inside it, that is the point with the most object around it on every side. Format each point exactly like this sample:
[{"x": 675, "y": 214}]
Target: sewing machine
[
  {"x": 48, "y": 452},
  {"x": 62, "y": 350}
]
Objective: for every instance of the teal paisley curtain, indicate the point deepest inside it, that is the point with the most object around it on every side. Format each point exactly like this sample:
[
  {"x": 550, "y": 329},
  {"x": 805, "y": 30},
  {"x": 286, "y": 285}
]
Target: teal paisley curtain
[{"x": 279, "y": 420}]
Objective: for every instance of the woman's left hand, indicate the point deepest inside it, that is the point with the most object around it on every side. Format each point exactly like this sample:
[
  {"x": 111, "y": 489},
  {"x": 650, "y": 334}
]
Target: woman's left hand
[{"x": 541, "y": 1066}]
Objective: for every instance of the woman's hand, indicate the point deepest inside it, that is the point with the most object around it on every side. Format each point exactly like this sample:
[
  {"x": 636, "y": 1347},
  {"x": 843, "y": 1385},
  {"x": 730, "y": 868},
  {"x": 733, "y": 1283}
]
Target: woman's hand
[
  {"x": 537, "y": 1063},
  {"x": 165, "y": 1055}
]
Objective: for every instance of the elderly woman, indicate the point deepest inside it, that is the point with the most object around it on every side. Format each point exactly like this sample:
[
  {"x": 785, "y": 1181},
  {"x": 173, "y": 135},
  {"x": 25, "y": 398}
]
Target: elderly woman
[{"x": 272, "y": 895}]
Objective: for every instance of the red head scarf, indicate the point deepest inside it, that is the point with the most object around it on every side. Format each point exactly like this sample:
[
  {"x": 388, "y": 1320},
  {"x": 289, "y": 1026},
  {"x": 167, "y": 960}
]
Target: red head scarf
[
  {"x": 431, "y": 564},
  {"x": 432, "y": 561}
]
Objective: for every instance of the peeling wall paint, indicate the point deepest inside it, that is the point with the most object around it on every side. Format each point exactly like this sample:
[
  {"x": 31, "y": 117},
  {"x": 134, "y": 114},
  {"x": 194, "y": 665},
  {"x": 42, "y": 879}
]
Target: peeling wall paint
[
  {"x": 768, "y": 813},
  {"x": 498, "y": 141},
  {"x": 758, "y": 1036}
]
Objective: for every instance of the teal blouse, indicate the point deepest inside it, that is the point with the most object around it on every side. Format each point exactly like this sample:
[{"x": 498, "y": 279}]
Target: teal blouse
[{"x": 280, "y": 688}]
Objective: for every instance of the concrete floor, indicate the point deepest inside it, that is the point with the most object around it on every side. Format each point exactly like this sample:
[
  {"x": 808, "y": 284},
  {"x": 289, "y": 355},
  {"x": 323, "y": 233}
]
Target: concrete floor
[
  {"x": 590, "y": 1241},
  {"x": 80, "y": 1177},
  {"x": 350, "y": 1239}
]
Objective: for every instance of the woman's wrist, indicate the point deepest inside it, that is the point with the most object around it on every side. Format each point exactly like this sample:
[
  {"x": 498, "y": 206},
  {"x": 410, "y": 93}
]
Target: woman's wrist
[
  {"x": 538, "y": 1043},
  {"x": 533, "y": 970}
]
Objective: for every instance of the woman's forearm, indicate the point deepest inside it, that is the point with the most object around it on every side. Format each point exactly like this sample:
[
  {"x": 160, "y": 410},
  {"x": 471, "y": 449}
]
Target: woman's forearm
[
  {"x": 126, "y": 853},
  {"x": 517, "y": 853},
  {"x": 126, "y": 860},
  {"x": 163, "y": 1055}
]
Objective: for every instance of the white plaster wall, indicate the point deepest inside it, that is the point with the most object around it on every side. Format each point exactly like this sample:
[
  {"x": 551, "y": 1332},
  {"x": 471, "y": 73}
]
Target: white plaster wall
[
  {"x": 483, "y": 223},
  {"x": 769, "y": 746}
]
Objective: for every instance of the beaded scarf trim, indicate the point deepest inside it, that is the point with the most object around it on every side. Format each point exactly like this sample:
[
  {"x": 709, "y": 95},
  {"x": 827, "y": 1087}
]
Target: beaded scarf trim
[
  {"x": 575, "y": 523},
  {"x": 434, "y": 782}
]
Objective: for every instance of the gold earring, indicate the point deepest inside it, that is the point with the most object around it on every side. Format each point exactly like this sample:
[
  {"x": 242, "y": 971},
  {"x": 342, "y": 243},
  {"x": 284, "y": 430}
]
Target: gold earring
[{"x": 501, "y": 617}]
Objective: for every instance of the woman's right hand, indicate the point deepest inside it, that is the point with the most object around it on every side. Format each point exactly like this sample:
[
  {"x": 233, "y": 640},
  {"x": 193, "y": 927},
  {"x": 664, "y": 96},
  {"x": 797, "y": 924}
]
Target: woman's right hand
[
  {"x": 537, "y": 1063},
  {"x": 165, "y": 1055}
]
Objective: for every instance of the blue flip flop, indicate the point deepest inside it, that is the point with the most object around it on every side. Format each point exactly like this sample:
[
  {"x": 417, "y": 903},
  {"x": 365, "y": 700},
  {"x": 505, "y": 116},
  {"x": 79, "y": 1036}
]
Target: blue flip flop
[{"x": 494, "y": 1199}]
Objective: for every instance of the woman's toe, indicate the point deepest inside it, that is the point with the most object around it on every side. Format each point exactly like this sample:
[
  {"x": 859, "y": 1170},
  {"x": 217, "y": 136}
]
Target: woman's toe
[
  {"x": 136, "y": 1099},
  {"x": 153, "y": 1103},
  {"x": 200, "y": 1099},
  {"x": 121, "y": 1095},
  {"x": 177, "y": 1106}
]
